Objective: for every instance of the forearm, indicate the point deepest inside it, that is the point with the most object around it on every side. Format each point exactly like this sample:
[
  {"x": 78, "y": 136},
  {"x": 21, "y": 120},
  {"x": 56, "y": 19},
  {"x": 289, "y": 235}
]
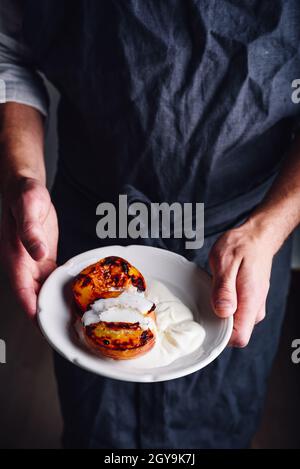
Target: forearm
[
  {"x": 21, "y": 144},
  {"x": 279, "y": 213}
]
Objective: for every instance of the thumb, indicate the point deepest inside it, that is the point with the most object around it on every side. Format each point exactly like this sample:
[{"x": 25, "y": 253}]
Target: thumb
[
  {"x": 224, "y": 294},
  {"x": 30, "y": 211}
]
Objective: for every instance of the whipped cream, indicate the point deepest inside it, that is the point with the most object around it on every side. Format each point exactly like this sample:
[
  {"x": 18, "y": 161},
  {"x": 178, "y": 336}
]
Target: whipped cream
[
  {"x": 128, "y": 299},
  {"x": 178, "y": 334},
  {"x": 130, "y": 306}
]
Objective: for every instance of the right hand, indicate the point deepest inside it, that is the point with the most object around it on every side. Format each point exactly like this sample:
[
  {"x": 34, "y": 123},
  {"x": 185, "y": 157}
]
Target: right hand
[{"x": 29, "y": 236}]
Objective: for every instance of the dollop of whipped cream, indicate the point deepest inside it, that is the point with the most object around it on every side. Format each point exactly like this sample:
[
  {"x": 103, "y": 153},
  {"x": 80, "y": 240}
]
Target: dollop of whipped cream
[
  {"x": 178, "y": 333},
  {"x": 130, "y": 306}
]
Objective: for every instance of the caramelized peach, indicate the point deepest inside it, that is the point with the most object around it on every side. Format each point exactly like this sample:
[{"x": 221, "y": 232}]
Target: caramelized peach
[{"x": 106, "y": 278}]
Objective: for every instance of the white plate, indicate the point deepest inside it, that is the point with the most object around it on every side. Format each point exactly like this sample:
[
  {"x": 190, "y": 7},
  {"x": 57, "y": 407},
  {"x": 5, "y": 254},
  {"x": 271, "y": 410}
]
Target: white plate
[{"x": 189, "y": 283}]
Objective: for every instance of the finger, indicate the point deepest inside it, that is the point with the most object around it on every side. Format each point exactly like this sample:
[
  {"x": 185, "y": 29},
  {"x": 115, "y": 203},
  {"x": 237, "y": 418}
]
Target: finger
[
  {"x": 24, "y": 287},
  {"x": 45, "y": 269},
  {"x": 29, "y": 213},
  {"x": 224, "y": 295},
  {"x": 249, "y": 303},
  {"x": 261, "y": 314}
]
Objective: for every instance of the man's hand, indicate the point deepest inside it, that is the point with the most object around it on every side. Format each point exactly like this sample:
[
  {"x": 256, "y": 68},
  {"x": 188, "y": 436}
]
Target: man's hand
[
  {"x": 241, "y": 259},
  {"x": 241, "y": 262},
  {"x": 29, "y": 235}
]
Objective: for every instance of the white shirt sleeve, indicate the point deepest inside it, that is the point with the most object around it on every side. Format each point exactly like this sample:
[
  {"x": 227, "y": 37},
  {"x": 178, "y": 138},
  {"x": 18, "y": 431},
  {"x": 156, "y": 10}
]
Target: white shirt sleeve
[{"x": 20, "y": 81}]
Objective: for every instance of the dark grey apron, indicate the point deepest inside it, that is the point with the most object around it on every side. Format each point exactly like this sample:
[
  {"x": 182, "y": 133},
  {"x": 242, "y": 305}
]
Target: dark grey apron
[{"x": 169, "y": 100}]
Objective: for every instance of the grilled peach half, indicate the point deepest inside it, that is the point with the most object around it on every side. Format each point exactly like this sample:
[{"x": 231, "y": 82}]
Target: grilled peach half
[
  {"x": 106, "y": 278},
  {"x": 120, "y": 340}
]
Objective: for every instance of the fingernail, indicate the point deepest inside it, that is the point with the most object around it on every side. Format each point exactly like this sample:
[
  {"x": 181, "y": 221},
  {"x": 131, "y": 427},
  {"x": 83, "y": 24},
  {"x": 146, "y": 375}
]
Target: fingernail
[
  {"x": 224, "y": 303},
  {"x": 224, "y": 306}
]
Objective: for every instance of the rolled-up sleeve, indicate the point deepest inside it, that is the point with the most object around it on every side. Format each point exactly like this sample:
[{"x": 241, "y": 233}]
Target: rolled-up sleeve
[{"x": 19, "y": 79}]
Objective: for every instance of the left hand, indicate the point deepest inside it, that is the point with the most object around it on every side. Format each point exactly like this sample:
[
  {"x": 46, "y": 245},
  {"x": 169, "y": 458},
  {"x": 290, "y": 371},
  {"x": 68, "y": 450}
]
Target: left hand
[{"x": 241, "y": 262}]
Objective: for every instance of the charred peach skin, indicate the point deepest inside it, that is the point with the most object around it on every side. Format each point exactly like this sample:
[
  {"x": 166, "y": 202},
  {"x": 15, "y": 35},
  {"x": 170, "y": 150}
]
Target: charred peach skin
[{"x": 105, "y": 279}]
